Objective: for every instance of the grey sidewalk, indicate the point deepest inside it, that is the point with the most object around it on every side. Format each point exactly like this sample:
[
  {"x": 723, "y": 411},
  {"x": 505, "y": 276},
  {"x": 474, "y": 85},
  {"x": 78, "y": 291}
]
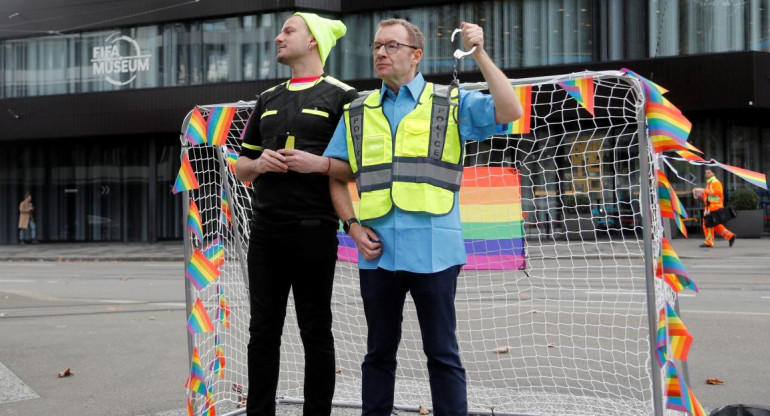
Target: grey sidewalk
[{"x": 174, "y": 250}]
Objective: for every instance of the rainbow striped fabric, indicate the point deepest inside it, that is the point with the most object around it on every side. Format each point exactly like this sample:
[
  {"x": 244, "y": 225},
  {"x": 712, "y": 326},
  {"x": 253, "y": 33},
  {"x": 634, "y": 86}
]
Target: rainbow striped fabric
[
  {"x": 676, "y": 282},
  {"x": 680, "y": 337},
  {"x": 189, "y": 407},
  {"x": 652, "y": 91},
  {"x": 671, "y": 262},
  {"x": 215, "y": 252},
  {"x": 194, "y": 224},
  {"x": 582, "y": 90},
  {"x": 199, "y": 319},
  {"x": 678, "y": 395},
  {"x": 218, "y": 126},
  {"x": 754, "y": 178},
  {"x": 522, "y": 125},
  {"x": 226, "y": 216},
  {"x": 196, "y": 382},
  {"x": 668, "y": 128},
  {"x": 185, "y": 180},
  {"x": 209, "y": 409},
  {"x": 661, "y": 342},
  {"x": 670, "y": 206},
  {"x": 218, "y": 365},
  {"x": 490, "y": 210},
  {"x": 196, "y": 129},
  {"x": 223, "y": 309},
  {"x": 689, "y": 156},
  {"x": 200, "y": 271},
  {"x": 231, "y": 156}
]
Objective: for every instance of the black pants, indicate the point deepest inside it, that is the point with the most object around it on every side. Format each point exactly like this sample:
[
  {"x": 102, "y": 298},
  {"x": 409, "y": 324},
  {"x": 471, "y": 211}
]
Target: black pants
[{"x": 299, "y": 257}]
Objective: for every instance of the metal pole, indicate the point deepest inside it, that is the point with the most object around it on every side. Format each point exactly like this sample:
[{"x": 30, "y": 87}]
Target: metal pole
[{"x": 646, "y": 208}]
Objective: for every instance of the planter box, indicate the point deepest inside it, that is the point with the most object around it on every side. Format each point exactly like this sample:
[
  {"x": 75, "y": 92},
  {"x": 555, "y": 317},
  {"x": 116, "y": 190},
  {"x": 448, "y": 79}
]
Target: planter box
[{"x": 748, "y": 224}]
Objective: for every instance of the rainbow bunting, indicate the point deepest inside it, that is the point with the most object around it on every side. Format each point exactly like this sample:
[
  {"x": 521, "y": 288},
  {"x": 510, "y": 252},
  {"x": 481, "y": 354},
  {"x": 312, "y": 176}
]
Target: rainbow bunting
[
  {"x": 189, "y": 407},
  {"x": 661, "y": 341},
  {"x": 678, "y": 395},
  {"x": 185, "y": 180},
  {"x": 670, "y": 206},
  {"x": 231, "y": 157},
  {"x": 225, "y": 217},
  {"x": 195, "y": 382},
  {"x": 199, "y": 320},
  {"x": 754, "y": 178},
  {"x": 689, "y": 156},
  {"x": 668, "y": 128},
  {"x": 194, "y": 224},
  {"x": 218, "y": 365},
  {"x": 215, "y": 252},
  {"x": 678, "y": 283},
  {"x": 681, "y": 340},
  {"x": 223, "y": 309},
  {"x": 582, "y": 90},
  {"x": 196, "y": 129},
  {"x": 208, "y": 406},
  {"x": 200, "y": 271},
  {"x": 490, "y": 211},
  {"x": 523, "y": 124},
  {"x": 218, "y": 125},
  {"x": 652, "y": 91},
  {"x": 671, "y": 262}
]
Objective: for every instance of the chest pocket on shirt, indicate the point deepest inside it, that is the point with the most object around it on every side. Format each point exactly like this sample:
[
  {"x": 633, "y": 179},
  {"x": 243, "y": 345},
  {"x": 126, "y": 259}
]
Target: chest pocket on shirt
[
  {"x": 416, "y": 140},
  {"x": 312, "y": 111}
]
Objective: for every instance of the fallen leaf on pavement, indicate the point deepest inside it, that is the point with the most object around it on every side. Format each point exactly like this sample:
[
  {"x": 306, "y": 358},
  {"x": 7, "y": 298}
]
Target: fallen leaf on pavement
[
  {"x": 66, "y": 373},
  {"x": 338, "y": 370},
  {"x": 714, "y": 381},
  {"x": 423, "y": 411},
  {"x": 551, "y": 345},
  {"x": 501, "y": 349}
]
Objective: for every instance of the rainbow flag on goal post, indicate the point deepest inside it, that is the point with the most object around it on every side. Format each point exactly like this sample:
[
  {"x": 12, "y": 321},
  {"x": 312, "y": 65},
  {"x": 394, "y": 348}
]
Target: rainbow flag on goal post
[{"x": 490, "y": 210}]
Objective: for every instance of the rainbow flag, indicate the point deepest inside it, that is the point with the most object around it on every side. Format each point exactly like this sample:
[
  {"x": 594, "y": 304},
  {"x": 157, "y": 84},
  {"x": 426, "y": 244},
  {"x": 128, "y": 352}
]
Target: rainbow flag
[
  {"x": 196, "y": 129},
  {"x": 676, "y": 282},
  {"x": 194, "y": 224},
  {"x": 582, "y": 90},
  {"x": 189, "y": 407},
  {"x": 670, "y": 206},
  {"x": 668, "y": 128},
  {"x": 223, "y": 309},
  {"x": 199, "y": 319},
  {"x": 225, "y": 217},
  {"x": 754, "y": 178},
  {"x": 661, "y": 341},
  {"x": 208, "y": 406},
  {"x": 689, "y": 156},
  {"x": 671, "y": 262},
  {"x": 231, "y": 156},
  {"x": 196, "y": 382},
  {"x": 215, "y": 252},
  {"x": 218, "y": 365},
  {"x": 681, "y": 340},
  {"x": 678, "y": 395},
  {"x": 185, "y": 180},
  {"x": 652, "y": 91},
  {"x": 218, "y": 125},
  {"x": 200, "y": 271},
  {"x": 490, "y": 210},
  {"x": 522, "y": 125}
]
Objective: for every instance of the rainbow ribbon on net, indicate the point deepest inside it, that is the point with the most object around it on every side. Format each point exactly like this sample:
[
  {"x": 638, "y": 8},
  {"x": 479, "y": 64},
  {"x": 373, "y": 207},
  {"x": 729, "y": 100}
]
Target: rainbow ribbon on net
[
  {"x": 582, "y": 90},
  {"x": 185, "y": 179}
]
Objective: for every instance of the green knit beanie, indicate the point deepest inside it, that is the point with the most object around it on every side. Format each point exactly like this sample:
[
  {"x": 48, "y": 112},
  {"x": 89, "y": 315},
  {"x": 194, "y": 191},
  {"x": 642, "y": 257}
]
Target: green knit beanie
[{"x": 325, "y": 31}]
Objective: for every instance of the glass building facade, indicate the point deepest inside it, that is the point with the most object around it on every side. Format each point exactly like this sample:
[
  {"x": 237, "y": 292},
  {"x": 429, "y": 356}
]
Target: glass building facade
[{"x": 116, "y": 188}]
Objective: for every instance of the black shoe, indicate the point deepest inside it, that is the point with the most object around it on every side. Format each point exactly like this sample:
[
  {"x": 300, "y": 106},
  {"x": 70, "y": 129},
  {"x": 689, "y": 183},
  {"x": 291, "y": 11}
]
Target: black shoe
[
  {"x": 732, "y": 240},
  {"x": 704, "y": 245}
]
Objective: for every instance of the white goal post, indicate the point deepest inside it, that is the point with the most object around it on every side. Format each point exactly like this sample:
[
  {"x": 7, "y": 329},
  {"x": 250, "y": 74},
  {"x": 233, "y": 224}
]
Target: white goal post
[{"x": 566, "y": 329}]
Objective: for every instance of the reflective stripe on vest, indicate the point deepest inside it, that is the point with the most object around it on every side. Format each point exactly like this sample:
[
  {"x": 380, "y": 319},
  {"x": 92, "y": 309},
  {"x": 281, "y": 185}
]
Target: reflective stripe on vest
[{"x": 420, "y": 168}]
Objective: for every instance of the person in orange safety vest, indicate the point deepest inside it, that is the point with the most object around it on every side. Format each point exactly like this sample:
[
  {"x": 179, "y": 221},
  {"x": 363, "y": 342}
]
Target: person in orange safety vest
[{"x": 713, "y": 197}]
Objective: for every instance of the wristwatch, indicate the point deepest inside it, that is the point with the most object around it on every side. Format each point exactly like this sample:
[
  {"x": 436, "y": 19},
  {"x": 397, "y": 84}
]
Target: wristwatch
[{"x": 347, "y": 223}]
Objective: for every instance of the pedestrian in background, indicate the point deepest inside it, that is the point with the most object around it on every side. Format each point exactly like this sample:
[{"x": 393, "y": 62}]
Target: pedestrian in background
[{"x": 27, "y": 229}]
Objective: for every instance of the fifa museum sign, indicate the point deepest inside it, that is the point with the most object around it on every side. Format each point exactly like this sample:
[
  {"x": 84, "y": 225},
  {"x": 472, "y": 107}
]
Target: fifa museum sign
[{"x": 118, "y": 69}]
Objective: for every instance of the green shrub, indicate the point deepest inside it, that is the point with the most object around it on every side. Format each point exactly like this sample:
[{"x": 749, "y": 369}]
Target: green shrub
[{"x": 744, "y": 199}]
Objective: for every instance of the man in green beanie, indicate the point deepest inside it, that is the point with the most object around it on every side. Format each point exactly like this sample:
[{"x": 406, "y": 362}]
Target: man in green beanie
[{"x": 293, "y": 240}]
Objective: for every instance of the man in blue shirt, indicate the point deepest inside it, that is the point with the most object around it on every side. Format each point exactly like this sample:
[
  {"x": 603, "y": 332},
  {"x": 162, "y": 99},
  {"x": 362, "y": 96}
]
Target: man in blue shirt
[{"x": 405, "y": 250}]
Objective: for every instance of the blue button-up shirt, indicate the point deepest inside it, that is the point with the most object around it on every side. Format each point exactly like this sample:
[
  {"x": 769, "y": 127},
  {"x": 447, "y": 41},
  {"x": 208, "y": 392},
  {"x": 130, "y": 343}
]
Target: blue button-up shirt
[{"x": 420, "y": 243}]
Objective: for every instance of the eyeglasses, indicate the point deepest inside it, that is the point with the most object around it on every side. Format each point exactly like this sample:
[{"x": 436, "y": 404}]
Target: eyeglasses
[{"x": 390, "y": 47}]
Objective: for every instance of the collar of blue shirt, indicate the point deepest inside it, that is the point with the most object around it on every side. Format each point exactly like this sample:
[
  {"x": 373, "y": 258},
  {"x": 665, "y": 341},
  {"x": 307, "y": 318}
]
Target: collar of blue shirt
[{"x": 414, "y": 87}]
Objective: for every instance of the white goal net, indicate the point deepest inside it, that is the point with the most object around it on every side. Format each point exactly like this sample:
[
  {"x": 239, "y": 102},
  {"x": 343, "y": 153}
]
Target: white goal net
[{"x": 552, "y": 308}]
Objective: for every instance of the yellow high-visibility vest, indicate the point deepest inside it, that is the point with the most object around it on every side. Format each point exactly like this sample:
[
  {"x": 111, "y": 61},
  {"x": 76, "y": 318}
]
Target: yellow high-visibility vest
[{"x": 420, "y": 168}]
